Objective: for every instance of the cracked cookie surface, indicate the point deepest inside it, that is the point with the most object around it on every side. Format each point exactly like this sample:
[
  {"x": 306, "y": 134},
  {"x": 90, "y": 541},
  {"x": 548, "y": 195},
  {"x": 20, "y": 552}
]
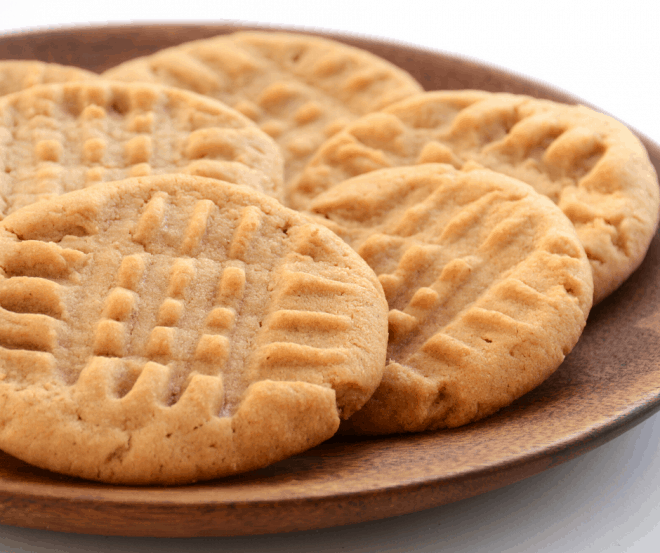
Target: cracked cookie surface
[
  {"x": 587, "y": 163},
  {"x": 298, "y": 88},
  {"x": 170, "y": 329},
  {"x": 487, "y": 284}
]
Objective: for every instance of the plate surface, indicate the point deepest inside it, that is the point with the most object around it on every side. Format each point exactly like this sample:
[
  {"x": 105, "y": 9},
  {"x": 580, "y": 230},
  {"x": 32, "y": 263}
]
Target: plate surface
[{"x": 608, "y": 384}]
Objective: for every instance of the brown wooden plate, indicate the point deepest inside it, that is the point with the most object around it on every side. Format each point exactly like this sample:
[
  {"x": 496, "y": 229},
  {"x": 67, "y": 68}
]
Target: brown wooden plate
[{"x": 608, "y": 384}]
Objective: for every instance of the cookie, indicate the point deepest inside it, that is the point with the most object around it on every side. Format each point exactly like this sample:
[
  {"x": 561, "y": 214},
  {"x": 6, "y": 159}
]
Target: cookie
[
  {"x": 63, "y": 137},
  {"x": 173, "y": 328},
  {"x": 298, "y": 88},
  {"x": 587, "y": 163},
  {"x": 487, "y": 284},
  {"x": 16, "y": 75}
]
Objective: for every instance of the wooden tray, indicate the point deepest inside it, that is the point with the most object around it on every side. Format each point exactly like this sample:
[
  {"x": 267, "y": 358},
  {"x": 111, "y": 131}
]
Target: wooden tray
[{"x": 609, "y": 383}]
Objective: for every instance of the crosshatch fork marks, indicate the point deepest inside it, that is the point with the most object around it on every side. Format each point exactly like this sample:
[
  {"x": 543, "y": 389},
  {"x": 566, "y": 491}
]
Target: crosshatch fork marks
[{"x": 461, "y": 236}]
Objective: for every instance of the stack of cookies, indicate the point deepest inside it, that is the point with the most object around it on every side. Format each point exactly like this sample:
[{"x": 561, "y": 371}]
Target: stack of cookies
[{"x": 222, "y": 254}]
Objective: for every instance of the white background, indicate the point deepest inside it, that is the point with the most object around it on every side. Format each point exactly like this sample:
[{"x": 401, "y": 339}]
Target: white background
[{"x": 604, "y": 52}]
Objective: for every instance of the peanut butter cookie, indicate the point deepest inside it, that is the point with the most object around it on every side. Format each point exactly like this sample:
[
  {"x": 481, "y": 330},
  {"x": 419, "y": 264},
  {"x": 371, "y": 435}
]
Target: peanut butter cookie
[
  {"x": 62, "y": 137},
  {"x": 174, "y": 328},
  {"x": 487, "y": 284}
]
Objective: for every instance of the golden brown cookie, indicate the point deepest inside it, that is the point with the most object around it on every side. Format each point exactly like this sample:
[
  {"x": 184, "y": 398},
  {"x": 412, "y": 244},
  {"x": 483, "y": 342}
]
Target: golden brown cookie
[
  {"x": 487, "y": 283},
  {"x": 298, "y": 88},
  {"x": 174, "y": 328},
  {"x": 589, "y": 164},
  {"x": 16, "y": 75},
  {"x": 62, "y": 137}
]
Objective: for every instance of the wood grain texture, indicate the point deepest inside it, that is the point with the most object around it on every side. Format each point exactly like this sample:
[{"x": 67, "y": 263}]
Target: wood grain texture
[{"x": 608, "y": 384}]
